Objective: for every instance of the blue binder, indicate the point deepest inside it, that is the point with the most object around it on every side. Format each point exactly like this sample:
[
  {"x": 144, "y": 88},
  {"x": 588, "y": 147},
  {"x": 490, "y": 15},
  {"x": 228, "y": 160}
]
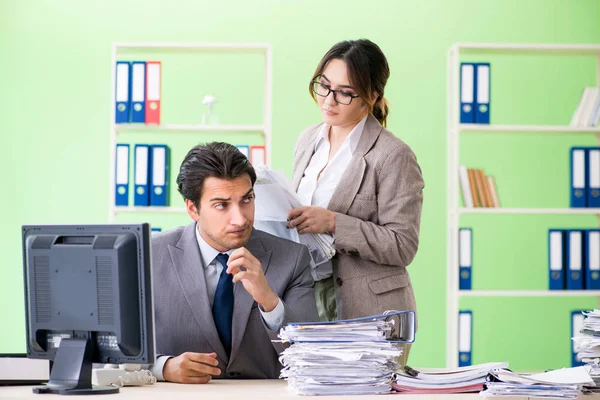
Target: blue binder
[
  {"x": 465, "y": 338},
  {"x": 138, "y": 92},
  {"x": 574, "y": 259},
  {"x": 156, "y": 229},
  {"x": 593, "y": 177},
  {"x": 591, "y": 259},
  {"x": 482, "y": 93},
  {"x": 556, "y": 259},
  {"x": 465, "y": 257},
  {"x": 577, "y": 319},
  {"x": 159, "y": 173},
  {"x": 467, "y": 93},
  {"x": 578, "y": 178},
  {"x": 122, "y": 175},
  {"x": 141, "y": 196},
  {"x": 244, "y": 149},
  {"x": 122, "y": 92}
]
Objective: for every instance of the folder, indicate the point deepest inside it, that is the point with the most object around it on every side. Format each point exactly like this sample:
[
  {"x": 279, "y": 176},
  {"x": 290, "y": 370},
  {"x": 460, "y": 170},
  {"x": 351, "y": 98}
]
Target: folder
[
  {"x": 403, "y": 331},
  {"x": 577, "y": 318},
  {"x": 122, "y": 92},
  {"x": 156, "y": 230},
  {"x": 258, "y": 155},
  {"x": 138, "y": 92},
  {"x": 159, "y": 173},
  {"x": 465, "y": 338},
  {"x": 467, "y": 93},
  {"x": 245, "y": 150},
  {"x": 482, "y": 98},
  {"x": 122, "y": 175},
  {"x": 593, "y": 173},
  {"x": 574, "y": 262},
  {"x": 591, "y": 259},
  {"x": 141, "y": 196},
  {"x": 153, "y": 90},
  {"x": 465, "y": 257},
  {"x": 578, "y": 158},
  {"x": 556, "y": 259}
]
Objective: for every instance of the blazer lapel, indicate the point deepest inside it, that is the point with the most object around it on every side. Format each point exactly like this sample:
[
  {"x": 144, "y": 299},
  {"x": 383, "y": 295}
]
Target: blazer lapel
[
  {"x": 188, "y": 266},
  {"x": 305, "y": 151},
  {"x": 350, "y": 182},
  {"x": 242, "y": 301}
]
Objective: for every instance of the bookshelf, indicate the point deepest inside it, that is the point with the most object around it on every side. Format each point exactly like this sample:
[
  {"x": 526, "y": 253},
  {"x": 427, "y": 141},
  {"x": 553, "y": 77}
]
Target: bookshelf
[
  {"x": 454, "y": 211},
  {"x": 202, "y": 132}
]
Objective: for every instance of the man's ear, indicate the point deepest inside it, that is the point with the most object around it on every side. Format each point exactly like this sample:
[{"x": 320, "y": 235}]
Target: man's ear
[{"x": 192, "y": 211}]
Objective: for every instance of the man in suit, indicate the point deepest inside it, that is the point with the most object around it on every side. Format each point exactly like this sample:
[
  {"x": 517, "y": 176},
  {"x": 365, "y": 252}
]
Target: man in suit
[{"x": 222, "y": 290}]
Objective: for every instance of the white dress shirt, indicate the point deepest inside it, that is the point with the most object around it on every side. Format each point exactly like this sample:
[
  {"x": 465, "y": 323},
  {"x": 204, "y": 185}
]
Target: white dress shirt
[
  {"x": 212, "y": 271},
  {"x": 315, "y": 189}
]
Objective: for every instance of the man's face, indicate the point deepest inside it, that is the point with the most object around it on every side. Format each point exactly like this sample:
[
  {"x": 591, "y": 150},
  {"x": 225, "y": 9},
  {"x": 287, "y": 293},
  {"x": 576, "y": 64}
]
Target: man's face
[{"x": 226, "y": 213}]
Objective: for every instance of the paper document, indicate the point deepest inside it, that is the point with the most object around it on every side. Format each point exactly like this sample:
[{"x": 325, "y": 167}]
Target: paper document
[{"x": 275, "y": 197}]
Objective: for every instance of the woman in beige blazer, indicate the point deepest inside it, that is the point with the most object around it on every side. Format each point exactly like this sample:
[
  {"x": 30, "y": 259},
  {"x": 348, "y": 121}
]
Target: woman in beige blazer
[{"x": 363, "y": 184}]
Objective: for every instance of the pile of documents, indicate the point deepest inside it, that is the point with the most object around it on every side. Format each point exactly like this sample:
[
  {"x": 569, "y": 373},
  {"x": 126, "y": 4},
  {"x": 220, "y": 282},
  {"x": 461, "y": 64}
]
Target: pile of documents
[
  {"x": 275, "y": 197},
  {"x": 587, "y": 342},
  {"x": 345, "y": 357},
  {"x": 443, "y": 380},
  {"x": 563, "y": 383}
]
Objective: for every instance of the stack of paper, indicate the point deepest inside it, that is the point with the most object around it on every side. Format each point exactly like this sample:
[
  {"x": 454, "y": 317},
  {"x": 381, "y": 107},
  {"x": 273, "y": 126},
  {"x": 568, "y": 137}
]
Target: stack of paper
[
  {"x": 347, "y": 356},
  {"x": 564, "y": 383},
  {"x": 275, "y": 197},
  {"x": 443, "y": 380},
  {"x": 587, "y": 343}
]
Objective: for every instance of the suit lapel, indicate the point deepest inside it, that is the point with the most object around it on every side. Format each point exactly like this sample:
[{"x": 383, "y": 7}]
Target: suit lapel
[
  {"x": 188, "y": 265},
  {"x": 242, "y": 301},
  {"x": 305, "y": 153},
  {"x": 350, "y": 182}
]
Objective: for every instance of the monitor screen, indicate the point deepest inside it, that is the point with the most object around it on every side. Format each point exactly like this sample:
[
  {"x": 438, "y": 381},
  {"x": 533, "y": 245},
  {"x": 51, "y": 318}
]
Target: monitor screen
[{"x": 88, "y": 298}]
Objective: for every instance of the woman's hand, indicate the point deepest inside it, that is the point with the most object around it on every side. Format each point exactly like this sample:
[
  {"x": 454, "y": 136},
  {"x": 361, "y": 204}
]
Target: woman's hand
[{"x": 311, "y": 219}]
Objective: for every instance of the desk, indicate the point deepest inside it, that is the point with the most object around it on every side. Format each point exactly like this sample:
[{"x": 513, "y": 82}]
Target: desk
[{"x": 228, "y": 390}]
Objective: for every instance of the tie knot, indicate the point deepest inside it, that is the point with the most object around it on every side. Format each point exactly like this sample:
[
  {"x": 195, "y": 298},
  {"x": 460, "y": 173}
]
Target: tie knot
[{"x": 223, "y": 258}]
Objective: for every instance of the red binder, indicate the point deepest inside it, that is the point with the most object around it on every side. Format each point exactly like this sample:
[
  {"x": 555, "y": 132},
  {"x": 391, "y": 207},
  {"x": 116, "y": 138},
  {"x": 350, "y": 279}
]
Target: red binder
[{"x": 153, "y": 91}]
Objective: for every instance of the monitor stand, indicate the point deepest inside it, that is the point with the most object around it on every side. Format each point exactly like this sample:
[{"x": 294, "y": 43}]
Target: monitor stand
[{"x": 72, "y": 370}]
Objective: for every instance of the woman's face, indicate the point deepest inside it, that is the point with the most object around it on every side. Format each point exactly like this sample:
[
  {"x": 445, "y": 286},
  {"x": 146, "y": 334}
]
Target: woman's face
[{"x": 335, "y": 77}]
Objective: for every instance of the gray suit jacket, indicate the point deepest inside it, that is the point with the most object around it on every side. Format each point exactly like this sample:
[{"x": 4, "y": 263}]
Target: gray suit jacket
[
  {"x": 183, "y": 315},
  {"x": 378, "y": 212}
]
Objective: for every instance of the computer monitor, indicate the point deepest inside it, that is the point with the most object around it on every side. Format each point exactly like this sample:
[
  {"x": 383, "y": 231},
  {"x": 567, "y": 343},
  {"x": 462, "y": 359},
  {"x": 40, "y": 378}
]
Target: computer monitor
[{"x": 88, "y": 299}]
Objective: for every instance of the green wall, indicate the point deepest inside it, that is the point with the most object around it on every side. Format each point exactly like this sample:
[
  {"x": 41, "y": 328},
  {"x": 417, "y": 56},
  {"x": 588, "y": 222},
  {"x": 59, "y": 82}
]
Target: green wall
[{"x": 55, "y": 107}]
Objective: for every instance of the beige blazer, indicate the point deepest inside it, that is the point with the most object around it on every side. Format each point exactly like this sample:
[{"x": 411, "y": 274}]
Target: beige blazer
[{"x": 378, "y": 214}]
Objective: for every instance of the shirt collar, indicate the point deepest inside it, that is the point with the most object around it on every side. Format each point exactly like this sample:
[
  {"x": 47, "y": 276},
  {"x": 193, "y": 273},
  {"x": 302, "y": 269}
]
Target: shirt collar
[
  {"x": 207, "y": 252},
  {"x": 353, "y": 138}
]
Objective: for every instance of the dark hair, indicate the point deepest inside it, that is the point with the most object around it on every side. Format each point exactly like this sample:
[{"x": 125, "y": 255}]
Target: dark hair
[
  {"x": 217, "y": 160},
  {"x": 368, "y": 72}
]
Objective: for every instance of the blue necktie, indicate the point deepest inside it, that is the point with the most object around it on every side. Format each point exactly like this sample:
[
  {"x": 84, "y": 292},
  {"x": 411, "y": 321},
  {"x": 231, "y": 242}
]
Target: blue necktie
[{"x": 223, "y": 304}]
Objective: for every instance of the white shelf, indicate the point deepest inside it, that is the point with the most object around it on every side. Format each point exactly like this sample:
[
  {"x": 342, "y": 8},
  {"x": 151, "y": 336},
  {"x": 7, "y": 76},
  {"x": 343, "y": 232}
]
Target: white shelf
[
  {"x": 149, "y": 210},
  {"x": 526, "y": 128},
  {"x": 455, "y": 130},
  {"x": 500, "y": 210},
  {"x": 529, "y": 48},
  {"x": 120, "y": 128},
  {"x": 164, "y": 47},
  {"x": 528, "y": 293}
]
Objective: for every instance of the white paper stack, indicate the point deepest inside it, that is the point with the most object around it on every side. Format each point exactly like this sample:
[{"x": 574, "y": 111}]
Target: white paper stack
[
  {"x": 444, "y": 380},
  {"x": 564, "y": 383},
  {"x": 587, "y": 344},
  {"x": 345, "y": 357}
]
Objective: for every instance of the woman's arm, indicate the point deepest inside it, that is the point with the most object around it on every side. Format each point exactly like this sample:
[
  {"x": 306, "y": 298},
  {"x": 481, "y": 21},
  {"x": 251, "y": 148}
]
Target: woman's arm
[{"x": 395, "y": 239}]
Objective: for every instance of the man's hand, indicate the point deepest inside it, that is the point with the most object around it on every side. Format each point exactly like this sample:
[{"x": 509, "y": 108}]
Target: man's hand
[
  {"x": 191, "y": 368},
  {"x": 311, "y": 219},
  {"x": 252, "y": 277}
]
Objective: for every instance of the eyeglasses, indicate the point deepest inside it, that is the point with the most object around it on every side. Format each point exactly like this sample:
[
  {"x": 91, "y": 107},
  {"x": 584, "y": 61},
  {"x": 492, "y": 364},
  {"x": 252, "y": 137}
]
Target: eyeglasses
[{"x": 339, "y": 96}]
